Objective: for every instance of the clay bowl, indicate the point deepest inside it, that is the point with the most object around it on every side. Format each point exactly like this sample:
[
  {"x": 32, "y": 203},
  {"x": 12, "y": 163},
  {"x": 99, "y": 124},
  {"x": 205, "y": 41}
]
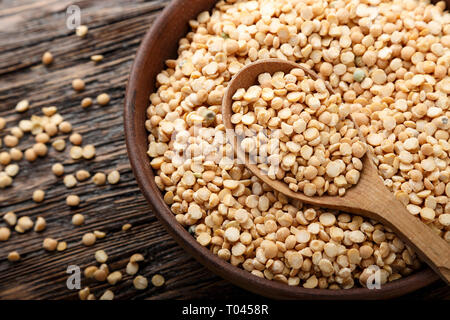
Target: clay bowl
[{"x": 159, "y": 44}]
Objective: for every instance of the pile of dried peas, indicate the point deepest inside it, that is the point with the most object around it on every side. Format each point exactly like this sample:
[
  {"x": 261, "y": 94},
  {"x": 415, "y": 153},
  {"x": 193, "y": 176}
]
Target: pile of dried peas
[
  {"x": 388, "y": 61},
  {"x": 294, "y": 130}
]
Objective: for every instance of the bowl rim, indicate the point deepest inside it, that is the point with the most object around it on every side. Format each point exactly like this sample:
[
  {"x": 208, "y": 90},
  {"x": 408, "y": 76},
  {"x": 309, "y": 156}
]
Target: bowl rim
[{"x": 145, "y": 178}]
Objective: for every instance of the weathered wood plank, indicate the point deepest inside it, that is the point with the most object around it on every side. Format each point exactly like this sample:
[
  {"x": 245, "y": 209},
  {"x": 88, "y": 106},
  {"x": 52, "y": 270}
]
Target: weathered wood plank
[
  {"x": 116, "y": 28},
  {"x": 27, "y": 29}
]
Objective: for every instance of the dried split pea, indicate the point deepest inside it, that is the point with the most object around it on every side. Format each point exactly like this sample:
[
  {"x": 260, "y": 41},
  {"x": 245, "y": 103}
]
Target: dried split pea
[
  {"x": 50, "y": 129},
  {"x": 42, "y": 137},
  {"x": 158, "y": 280},
  {"x": 25, "y": 125},
  {"x": 84, "y": 293},
  {"x": 15, "y": 154},
  {"x": 114, "y": 277},
  {"x": 86, "y": 102},
  {"x": 132, "y": 268},
  {"x": 137, "y": 257},
  {"x": 13, "y": 256},
  {"x": 5, "y": 158},
  {"x": 70, "y": 181},
  {"x": 5, "y": 233},
  {"x": 90, "y": 271},
  {"x": 24, "y": 224},
  {"x": 50, "y": 244},
  {"x": 12, "y": 169},
  {"x": 359, "y": 75},
  {"x": 10, "y": 218},
  {"x": 88, "y": 239},
  {"x": 65, "y": 127},
  {"x": 40, "y": 149},
  {"x": 5, "y": 180},
  {"x": 81, "y": 30},
  {"x": 58, "y": 169},
  {"x": 76, "y": 139},
  {"x": 76, "y": 152},
  {"x": 11, "y": 141},
  {"x": 30, "y": 155},
  {"x": 49, "y": 111},
  {"x": 107, "y": 295},
  {"x": 82, "y": 175},
  {"x": 61, "y": 246},
  {"x": 103, "y": 99},
  {"x": 101, "y": 256},
  {"x": 99, "y": 234},
  {"x": 88, "y": 151},
  {"x": 97, "y": 58},
  {"x": 100, "y": 275},
  {"x": 59, "y": 144},
  {"x": 22, "y": 106},
  {"x": 140, "y": 283},
  {"x": 99, "y": 178},
  {"x": 47, "y": 58},
  {"x": 17, "y": 133},
  {"x": 40, "y": 224},
  {"x": 114, "y": 177},
  {"x": 204, "y": 239},
  {"x": 72, "y": 200},
  {"x": 77, "y": 219},
  {"x": 78, "y": 85},
  {"x": 38, "y": 195}
]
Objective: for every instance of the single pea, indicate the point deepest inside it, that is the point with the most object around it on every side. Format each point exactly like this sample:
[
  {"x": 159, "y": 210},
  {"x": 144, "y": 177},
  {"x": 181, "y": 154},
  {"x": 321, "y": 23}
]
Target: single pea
[
  {"x": 209, "y": 117},
  {"x": 47, "y": 58},
  {"x": 158, "y": 280},
  {"x": 359, "y": 75}
]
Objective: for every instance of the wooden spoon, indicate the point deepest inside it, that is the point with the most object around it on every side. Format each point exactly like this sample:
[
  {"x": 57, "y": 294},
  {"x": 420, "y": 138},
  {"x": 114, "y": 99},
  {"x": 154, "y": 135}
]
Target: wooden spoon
[{"x": 369, "y": 198}]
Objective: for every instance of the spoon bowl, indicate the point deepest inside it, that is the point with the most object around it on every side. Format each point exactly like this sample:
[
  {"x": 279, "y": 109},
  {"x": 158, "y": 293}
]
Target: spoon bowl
[{"x": 369, "y": 197}]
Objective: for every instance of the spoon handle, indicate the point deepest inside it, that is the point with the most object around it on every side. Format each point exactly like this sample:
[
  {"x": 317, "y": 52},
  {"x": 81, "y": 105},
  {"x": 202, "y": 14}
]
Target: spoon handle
[{"x": 430, "y": 247}]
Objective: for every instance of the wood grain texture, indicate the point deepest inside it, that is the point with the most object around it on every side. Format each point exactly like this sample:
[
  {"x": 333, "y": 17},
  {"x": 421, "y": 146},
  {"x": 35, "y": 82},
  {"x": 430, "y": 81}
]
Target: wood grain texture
[{"x": 27, "y": 29}]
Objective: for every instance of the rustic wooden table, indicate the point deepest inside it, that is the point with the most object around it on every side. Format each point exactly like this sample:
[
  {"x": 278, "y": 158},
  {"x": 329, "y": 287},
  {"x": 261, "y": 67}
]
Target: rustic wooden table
[{"x": 28, "y": 28}]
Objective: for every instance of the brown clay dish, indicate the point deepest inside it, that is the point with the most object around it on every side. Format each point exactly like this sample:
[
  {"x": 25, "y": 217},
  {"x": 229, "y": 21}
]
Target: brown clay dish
[{"x": 159, "y": 44}]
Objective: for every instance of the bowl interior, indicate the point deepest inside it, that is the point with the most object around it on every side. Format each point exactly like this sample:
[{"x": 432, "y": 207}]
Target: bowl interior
[{"x": 159, "y": 44}]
